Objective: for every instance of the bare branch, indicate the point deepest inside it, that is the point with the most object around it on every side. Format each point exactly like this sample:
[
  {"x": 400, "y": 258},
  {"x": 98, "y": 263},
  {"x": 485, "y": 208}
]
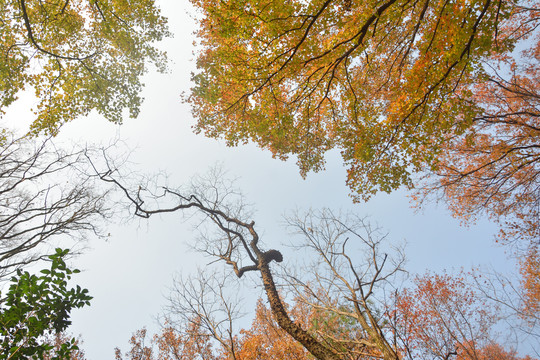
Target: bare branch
[{"x": 46, "y": 193}]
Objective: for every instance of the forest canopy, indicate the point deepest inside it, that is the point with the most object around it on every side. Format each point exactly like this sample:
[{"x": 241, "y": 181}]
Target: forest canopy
[
  {"x": 78, "y": 56},
  {"x": 436, "y": 96},
  {"x": 432, "y": 95}
]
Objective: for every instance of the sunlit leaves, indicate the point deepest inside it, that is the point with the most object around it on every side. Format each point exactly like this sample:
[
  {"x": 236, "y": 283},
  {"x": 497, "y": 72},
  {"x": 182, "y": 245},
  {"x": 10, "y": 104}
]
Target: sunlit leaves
[
  {"x": 78, "y": 56},
  {"x": 266, "y": 340},
  {"x": 375, "y": 79},
  {"x": 493, "y": 167}
]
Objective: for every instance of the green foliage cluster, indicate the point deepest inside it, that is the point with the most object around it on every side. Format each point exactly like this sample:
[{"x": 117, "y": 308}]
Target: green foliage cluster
[{"x": 36, "y": 306}]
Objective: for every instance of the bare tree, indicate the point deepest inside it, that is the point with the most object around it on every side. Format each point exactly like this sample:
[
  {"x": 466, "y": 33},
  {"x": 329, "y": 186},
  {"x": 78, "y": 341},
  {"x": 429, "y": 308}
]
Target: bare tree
[
  {"x": 233, "y": 239},
  {"x": 46, "y": 193},
  {"x": 348, "y": 277},
  {"x": 205, "y": 302}
]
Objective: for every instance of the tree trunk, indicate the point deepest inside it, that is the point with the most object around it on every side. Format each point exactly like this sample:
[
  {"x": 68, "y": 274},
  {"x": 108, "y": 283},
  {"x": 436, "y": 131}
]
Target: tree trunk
[{"x": 312, "y": 345}]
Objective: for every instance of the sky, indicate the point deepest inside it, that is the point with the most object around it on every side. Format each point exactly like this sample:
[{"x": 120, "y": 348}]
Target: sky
[{"x": 130, "y": 273}]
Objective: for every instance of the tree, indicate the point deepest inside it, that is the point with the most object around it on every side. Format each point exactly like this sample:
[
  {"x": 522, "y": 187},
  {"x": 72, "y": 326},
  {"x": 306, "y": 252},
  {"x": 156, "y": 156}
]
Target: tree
[
  {"x": 451, "y": 317},
  {"x": 439, "y": 317},
  {"x": 442, "y": 316},
  {"x": 78, "y": 56},
  {"x": 493, "y": 167},
  {"x": 347, "y": 282},
  {"x": 370, "y": 78},
  {"x": 399, "y": 87},
  {"x": 37, "y": 306},
  {"x": 235, "y": 241},
  {"x": 48, "y": 196},
  {"x": 266, "y": 340},
  {"x": 351, "y": 306},
  {"x": 202, "y": 310},
  {"x": 139, "y": 350},
  {"x": 46, "y": 193}
]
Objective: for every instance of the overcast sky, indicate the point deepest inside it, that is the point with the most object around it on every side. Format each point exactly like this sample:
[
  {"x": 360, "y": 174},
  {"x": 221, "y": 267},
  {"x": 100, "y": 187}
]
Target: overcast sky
[{"x": 128, "y": 275}]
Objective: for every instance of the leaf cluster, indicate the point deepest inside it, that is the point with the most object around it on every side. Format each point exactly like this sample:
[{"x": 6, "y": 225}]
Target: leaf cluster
[
  {"x": 382, "y": 81},
  {"x": 39, "y": 305},
  {"x": 78, "y": 56}
]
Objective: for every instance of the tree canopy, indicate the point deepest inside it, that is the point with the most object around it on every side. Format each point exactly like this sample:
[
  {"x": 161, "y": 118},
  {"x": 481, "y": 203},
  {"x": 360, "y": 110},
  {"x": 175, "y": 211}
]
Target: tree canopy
[
  {"x": 399, "y": 87},
  {"x": 78, "y": 56}
]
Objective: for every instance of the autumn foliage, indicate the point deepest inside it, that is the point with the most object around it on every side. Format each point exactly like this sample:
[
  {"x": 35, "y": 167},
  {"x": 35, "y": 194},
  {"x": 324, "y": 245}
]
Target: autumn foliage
[
  {"x": 170, "y": 344},
  {"x": 266, "y": 340},
  {"x": 439, "y": 317},
  {"x": 496, "y": 352},
  {"x": 378, "y": 80},
  {"x": 403, "y": 89},
  {"x": 530, "y": 272},
  {"x": 442, "y": 316},
  {"x": 492, "y": 168}
]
